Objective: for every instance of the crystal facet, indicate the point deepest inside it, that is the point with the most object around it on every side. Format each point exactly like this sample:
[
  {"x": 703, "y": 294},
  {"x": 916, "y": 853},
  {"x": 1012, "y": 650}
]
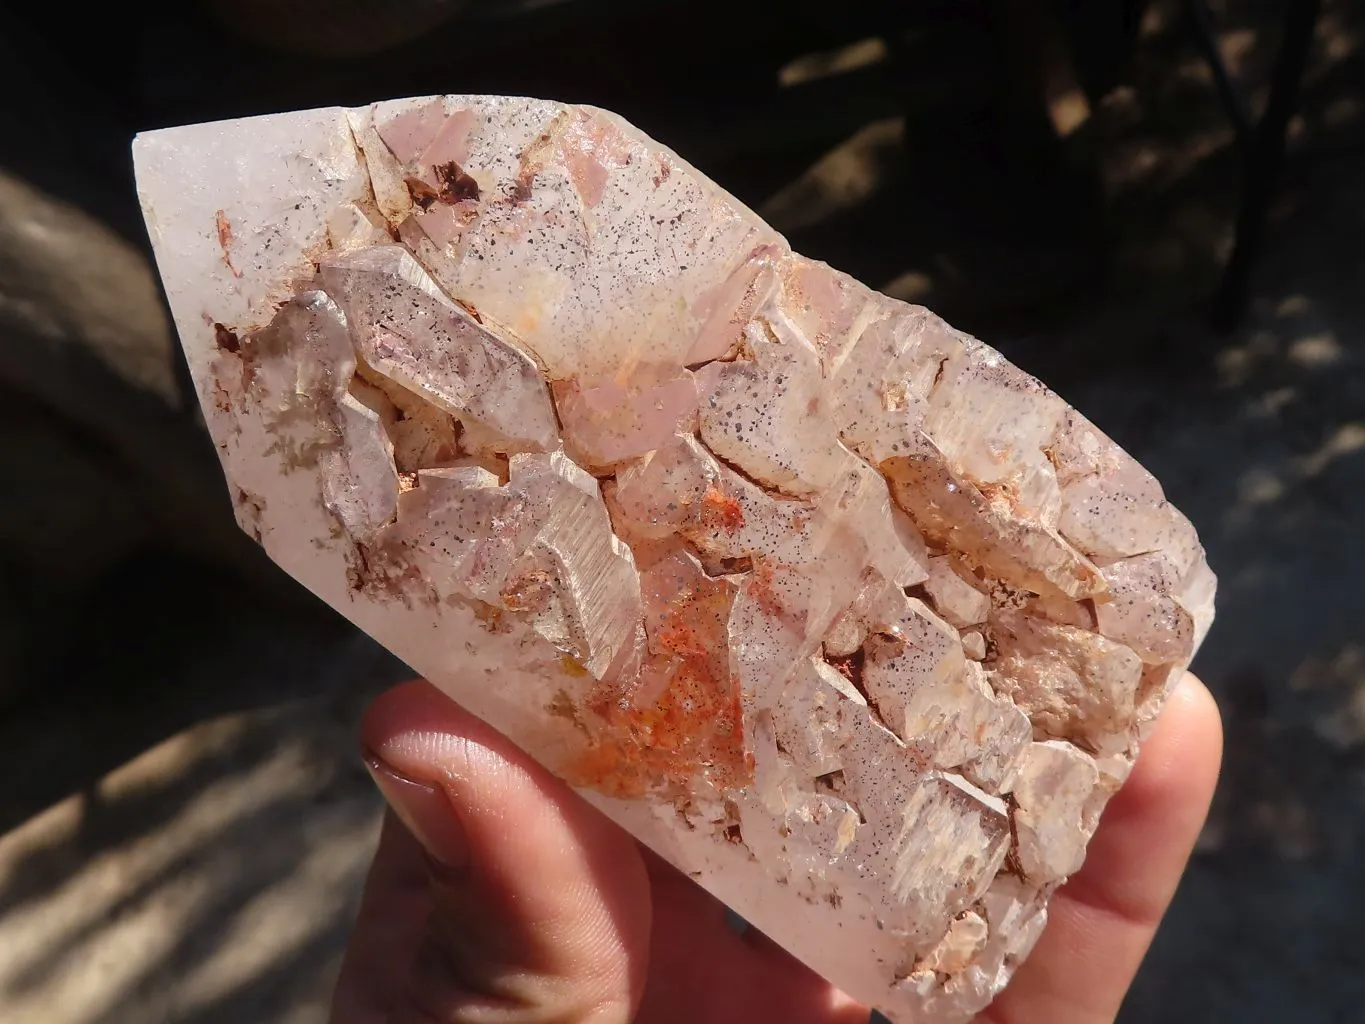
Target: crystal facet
[{"x": 848, "y": 618}]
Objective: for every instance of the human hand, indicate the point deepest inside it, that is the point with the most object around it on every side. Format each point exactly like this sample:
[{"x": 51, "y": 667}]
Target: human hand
[{"x": 517, "y": 902}]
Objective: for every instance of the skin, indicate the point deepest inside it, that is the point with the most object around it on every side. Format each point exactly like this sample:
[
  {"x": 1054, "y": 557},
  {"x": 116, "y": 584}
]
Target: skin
[{"x": 498, "y": 896}]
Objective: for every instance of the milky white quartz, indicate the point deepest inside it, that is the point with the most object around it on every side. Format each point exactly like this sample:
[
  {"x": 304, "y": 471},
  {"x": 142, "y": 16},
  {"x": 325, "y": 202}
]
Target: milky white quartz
[{"x": 851, "y": 620}]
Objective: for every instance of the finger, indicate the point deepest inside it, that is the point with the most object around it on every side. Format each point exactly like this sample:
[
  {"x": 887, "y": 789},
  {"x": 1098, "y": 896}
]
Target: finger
[
  {"x": 541, "y": 905},
  {"x": 1102, "y": 921},
  {"x": 701, "y": 970},
  {"x": 383, "y": 942}
]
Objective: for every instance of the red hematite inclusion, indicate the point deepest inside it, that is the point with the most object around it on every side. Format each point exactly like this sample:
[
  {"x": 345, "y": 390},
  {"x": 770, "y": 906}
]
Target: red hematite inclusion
[{"x": 681, "y": 716}]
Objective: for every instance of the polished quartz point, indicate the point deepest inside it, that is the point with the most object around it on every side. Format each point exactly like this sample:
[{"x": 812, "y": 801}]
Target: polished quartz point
[{"x": 851, "y": 620}]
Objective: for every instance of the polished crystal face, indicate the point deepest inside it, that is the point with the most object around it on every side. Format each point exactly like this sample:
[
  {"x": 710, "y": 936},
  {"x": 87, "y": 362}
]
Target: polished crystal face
[{"x": 847, "y": 617}]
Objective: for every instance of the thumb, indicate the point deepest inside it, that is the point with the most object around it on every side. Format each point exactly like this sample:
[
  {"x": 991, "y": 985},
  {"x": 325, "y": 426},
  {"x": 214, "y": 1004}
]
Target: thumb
[{"x": 540, "y": 905}]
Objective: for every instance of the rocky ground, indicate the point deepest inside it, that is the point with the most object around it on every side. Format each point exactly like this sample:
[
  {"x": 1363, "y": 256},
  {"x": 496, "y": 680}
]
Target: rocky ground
[{"x": 185, "y": 826}]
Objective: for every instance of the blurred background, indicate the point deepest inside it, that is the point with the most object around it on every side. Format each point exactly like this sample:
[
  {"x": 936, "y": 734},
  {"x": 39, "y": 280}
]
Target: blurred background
[{"x": 1157, "y": 207}]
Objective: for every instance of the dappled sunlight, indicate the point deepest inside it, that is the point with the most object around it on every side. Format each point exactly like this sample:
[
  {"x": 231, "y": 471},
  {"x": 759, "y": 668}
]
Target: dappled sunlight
[
  {"x": 1287, "y": 791},
  {"x": 118, "y": 884},
  {"x": 1291, "y": 828},
  {"x": 253, "y": 871},
  {"x": 1259, "y": 486},
  {"x": 1272, "y": 402},
  {"x": 1339, "y": 37},
  {"x": 812, "y": 66},
  {"x": 1294, "y": 304},
  {"x": 1340, "y": 679},
  {"x": 294, "y": 912},
  {"x": 910, "y": 286},
  {"x": 1346, "y": 439},
  {"x": 1237, "y": 46},
  {"x": 1158, "y": 19},
  {"x": 1069, "y": 110},
  {"x": 1238, "y": 362},
  {"x": 843, "y": 178},
  {"x": 1278, "y": 369}
]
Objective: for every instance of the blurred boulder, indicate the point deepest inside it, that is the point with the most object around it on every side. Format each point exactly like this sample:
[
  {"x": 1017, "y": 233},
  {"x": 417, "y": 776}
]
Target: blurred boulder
[{"x": 104, "y": 454}]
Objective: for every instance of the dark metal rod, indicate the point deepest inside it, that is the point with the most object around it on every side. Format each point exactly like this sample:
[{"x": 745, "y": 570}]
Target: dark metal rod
[
  {"x": 1234, "y": 100},
  {"x": 1265, "y": 159}
]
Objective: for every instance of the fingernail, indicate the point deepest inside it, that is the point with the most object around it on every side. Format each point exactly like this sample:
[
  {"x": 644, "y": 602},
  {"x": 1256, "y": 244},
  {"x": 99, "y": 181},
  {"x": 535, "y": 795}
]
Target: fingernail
[{"x": 425, "y": 810}]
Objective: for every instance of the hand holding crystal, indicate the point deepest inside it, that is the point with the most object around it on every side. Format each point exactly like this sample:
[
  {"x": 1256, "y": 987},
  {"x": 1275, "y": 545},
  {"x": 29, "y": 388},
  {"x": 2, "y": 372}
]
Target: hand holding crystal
[{"x": 499, "y": 895}]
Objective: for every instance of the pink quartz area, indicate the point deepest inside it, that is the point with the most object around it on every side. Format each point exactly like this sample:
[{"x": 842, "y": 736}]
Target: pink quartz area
[
  {"x": 608, "y": 422},
  {"x": 590, "y": 148},
  {"x": 442, "y": 224},
  {"x": 725, "y": 310},
  {"x": 412, "y": 131},
  {"x": 822, "y": 303},
  {"x": 451, "y": 142}
]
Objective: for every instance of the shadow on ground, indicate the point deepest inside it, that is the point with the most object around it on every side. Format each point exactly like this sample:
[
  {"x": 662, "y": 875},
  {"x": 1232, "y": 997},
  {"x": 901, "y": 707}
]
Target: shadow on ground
[{"x": 185, "y": 824}]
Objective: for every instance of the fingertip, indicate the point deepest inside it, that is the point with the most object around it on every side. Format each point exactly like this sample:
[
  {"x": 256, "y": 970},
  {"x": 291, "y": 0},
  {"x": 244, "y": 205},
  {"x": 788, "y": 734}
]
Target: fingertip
[
  {"x": 1199, "y": 722},
  {"x": 424, "y": 735},
  {"x": 412, "y": 707},
  {"x": 1177, "y": 767},
  {"x": 1194, "y": 734},
  {"x": 425, "y": 811}
]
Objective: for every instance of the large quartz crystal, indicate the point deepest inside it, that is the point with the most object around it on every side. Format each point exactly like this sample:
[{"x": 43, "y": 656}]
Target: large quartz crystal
[{"x": 844, "y": 615}]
